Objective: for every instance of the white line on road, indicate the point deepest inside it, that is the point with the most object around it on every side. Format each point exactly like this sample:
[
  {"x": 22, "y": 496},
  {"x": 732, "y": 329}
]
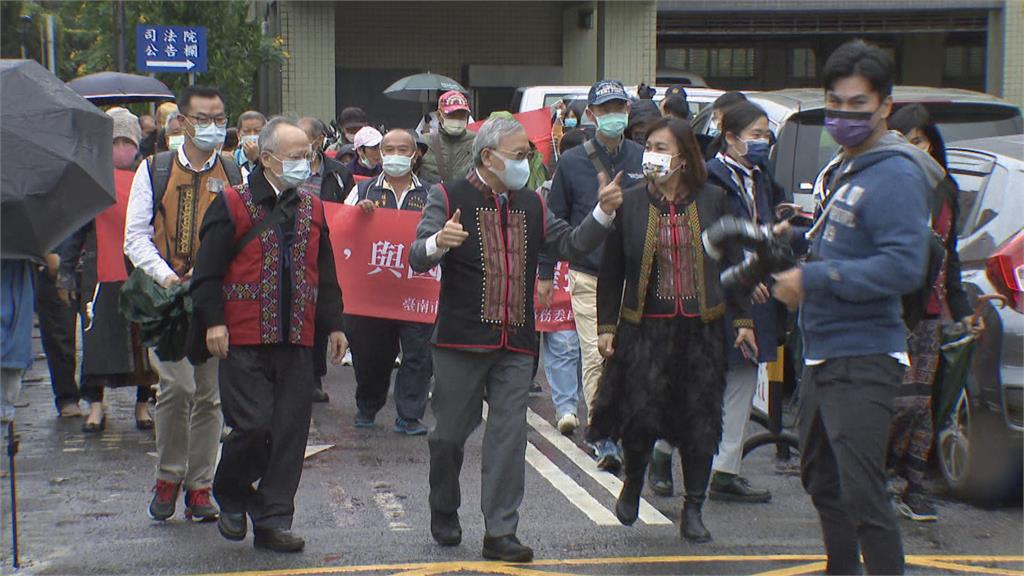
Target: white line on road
[{"x": 648, "y": 514}]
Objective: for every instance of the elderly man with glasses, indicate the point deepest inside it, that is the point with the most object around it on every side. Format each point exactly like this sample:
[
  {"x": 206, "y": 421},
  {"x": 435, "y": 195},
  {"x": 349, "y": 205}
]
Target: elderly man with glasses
[
  {"x": 487, "y": 230},
  {"x": 265, "y": 280}
]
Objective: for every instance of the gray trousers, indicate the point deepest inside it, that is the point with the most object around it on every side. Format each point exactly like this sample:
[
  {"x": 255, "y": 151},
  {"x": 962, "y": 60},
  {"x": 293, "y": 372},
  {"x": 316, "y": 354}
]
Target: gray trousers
[
  {"x": 460, "y": 379},
  {"x": 845, "y": 412},
  {"x": 740, "y": 386}
]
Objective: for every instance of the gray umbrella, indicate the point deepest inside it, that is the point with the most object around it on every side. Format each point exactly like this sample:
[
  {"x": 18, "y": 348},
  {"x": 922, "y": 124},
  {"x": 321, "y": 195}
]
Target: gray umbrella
[
  {"x": 422, "y": 87},
  {"x": 55, "y": 149}
]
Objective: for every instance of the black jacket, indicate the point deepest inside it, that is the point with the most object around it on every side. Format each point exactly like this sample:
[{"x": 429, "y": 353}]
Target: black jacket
[
  {"x": 956, "y": 297},
  {"x": 337, "y": 180}
]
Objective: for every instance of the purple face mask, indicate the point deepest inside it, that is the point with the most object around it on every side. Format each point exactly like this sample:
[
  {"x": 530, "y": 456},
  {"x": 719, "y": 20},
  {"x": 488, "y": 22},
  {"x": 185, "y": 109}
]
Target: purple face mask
[{"x": 849, "y": 129}]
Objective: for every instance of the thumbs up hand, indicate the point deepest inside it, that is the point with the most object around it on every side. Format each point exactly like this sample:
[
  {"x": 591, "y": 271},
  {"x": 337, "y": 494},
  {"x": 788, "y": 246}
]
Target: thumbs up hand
[
  {"x": 452, "y": 235},
  {"x": 609, "y": 195}
]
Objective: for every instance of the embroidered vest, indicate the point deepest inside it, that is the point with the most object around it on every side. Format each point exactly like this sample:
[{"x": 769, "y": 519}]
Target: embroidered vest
[
  {"x": 177, "y": 220},
  {"x": 487, "y": 283},
  {"x": 253, "y": 307}
]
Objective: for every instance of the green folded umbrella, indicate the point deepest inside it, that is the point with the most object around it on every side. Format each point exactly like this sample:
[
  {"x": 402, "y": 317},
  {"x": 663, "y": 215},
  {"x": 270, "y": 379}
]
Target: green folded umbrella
[{"x": 162, "y": 314}]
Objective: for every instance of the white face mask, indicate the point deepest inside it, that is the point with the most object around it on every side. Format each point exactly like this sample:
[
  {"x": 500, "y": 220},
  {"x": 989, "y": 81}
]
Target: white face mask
[
  {"x": 396, "y": 165},
  {"x": 516, "y": 173},
  {"x": 658, "y": 166},
  {"x": 251, "y": 139},
  {"x": 454, "y": 126}
]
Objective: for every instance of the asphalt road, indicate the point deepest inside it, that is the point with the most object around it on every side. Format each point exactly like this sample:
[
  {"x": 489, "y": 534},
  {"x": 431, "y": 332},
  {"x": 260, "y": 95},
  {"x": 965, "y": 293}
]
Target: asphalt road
[{"x": 362, "y": 506}]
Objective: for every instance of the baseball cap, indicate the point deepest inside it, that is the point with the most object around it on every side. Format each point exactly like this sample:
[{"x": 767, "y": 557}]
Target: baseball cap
[
  {"x": 367, "y": 136},
  {"x": 452, "y": 101},
  {"x": 605, "y": 91},
  {"x": 676, "y": 90}
]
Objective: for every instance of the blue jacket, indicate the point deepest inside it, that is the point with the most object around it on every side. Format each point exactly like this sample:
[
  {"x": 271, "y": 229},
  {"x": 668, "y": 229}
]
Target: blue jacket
[
  {"x": 574, "y": 190},
  {"x": 870, "y": 248},
  {"x": 17, "y": 304},
  {"x": 769, "y": 318}
]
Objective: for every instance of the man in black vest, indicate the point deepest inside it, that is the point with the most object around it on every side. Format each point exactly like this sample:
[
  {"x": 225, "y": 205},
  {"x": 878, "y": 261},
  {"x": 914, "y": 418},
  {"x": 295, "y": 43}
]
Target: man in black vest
[
  {"x": 485, "y": 339},
  {"x": 375, "y": 341}
]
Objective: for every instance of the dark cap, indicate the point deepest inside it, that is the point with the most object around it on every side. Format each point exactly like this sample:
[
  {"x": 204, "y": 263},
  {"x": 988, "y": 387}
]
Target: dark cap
[
  {"x": 676, "y": 90},
  {"x": 352, "y": 116},
  {"x": 605, "y": 91}
]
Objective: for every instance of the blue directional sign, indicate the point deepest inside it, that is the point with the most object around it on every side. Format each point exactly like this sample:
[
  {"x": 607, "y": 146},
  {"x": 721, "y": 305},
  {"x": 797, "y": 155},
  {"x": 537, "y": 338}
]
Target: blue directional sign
[{"x": 170, "y": 48}]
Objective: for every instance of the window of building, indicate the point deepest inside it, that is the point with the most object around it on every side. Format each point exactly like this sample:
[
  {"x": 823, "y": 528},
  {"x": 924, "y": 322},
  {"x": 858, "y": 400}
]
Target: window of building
[
  {"x": 711, "y": 62},
  {"x": 964, "y": 62},
  {"x": 803, "y": 64}
]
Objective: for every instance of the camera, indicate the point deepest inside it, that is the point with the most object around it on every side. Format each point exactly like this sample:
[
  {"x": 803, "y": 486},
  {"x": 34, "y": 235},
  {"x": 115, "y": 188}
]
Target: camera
[{"x": 765, "y": 254}]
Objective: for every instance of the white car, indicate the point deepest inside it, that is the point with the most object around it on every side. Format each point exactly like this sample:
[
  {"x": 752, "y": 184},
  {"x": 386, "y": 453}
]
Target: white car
[{"x": 534, "y": 97}]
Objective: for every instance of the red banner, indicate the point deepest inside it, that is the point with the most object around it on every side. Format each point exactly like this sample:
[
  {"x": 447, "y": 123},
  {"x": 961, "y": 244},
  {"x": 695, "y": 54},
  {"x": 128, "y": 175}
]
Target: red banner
[
  {"x": 110, "y": 232},
  {"x": 538, "y": 128},
  {"x": 371, "y": 252},
  {"x": 559, "y": 315}
]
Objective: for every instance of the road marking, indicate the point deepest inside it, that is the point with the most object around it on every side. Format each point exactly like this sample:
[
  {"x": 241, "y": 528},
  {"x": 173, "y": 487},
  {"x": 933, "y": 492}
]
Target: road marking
[
  {"x": 648, "y": 514},
  {"x": 569, "y": 488},
  {"x": 428, "y": 569},
  {"x": 561, "y": 481}
]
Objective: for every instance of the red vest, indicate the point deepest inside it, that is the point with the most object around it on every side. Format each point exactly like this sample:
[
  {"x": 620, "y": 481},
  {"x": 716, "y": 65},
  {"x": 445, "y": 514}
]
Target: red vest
[{"x": 253, "y": 283}]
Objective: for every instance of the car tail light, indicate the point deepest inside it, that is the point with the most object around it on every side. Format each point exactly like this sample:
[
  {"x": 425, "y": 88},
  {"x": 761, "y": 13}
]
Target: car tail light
[{"x": 1005, "y": 269}]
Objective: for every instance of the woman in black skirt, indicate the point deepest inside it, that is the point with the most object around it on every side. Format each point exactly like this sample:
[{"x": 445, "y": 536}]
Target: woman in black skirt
[{"x": 660, "y": 309}]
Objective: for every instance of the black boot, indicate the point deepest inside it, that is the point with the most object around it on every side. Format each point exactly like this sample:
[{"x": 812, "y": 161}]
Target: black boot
[
  {"x": 659, "y": 474},
  {"x": 696, "y": 474},
  {"x": 627, "y": 507}
]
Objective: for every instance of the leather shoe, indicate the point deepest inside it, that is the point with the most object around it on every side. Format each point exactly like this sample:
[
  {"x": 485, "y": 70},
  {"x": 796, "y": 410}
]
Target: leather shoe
[
  {"x": 232, "y": 525},
  {"x": 733, "y": 488},
  {"x": 277, "y": 540},
  {"x": 506, "y": 549},
  {"x": 445, "y": 528}
]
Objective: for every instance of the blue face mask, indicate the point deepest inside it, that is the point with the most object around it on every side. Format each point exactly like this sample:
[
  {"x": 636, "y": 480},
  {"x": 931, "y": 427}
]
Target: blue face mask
[
  {"x": 516, "y": 172},
  {"x": 757, "y": 152},
  {"x": 569, "y": 122},
  {"x": 293, "y": 172},
  {"x": 210, "y": 136},
  {"x": 612, "y": 125}
]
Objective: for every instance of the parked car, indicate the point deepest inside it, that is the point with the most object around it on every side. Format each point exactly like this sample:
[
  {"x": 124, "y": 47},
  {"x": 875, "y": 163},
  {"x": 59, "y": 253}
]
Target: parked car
[
  {"x": 803, "y": 147},
  {"x": 979, "y": 446},
  {"x": 534, "y": 97}
]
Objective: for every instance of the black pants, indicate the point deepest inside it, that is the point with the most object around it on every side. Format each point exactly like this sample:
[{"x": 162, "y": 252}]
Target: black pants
[
  {"x": 375, "y": 344},
  {"x": 57, "y": 330},
  {"x": 320, "y": 340},
  {"x": 266, "y": 396},
  {"x": 846, "y": 406}
]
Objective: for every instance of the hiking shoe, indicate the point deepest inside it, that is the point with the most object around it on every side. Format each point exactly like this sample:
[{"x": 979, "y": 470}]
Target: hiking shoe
[
  {"x": 608, "y": 457},
  {"x": 916, "y": 506},
  {"x": 198, "y": 506},
  {"x": 363, "y": 420},
  {"x": 568, "y": 424},
  {"x": 409, "y": 427},
  {"x": 164, "y": 495}
]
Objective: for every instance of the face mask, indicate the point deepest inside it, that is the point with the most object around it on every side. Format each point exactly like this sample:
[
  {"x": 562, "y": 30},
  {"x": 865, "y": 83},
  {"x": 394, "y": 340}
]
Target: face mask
[
  {"x": 515, "y": 174},
  {"x": 396, "y": 165},
  {"x": 208, "y": 137},
  {"x": 713, "y": 128},
  {"x": 569, "y": 122},
  {"x": 252, "y": 139},
  {"x": 366, "y": 162},
  {"x": 612, "y": 125},
  {"x": 757, "y": 151},
  {"x": 849, "y": 129},
  {"x": 657, "y": 166},
  {"x": 294, "y": 172},
  {"x": 453, "y": 127},
  {"x": 175, "y": 142},
  {"x": 124, "y": 156}
]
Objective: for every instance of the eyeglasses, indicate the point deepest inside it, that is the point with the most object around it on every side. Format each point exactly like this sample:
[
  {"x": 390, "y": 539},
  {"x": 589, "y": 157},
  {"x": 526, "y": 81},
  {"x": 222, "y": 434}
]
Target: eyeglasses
[
  {"x": 309, "y": 155},
  {"x": 516, "y": 156},
  {"x": 204, "y": 120}
]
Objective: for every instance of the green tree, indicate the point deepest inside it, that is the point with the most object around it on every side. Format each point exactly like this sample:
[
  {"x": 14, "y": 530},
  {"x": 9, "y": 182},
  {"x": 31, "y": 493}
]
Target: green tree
[{"x": 86, "y": 43}]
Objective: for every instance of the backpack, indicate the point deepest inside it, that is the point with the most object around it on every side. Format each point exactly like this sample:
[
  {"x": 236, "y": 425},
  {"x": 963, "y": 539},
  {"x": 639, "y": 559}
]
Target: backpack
[{"x": 160, "y": 165}]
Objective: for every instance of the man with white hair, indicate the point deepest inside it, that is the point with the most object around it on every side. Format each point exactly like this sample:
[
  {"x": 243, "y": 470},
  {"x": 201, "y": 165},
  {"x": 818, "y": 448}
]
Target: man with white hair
[
  {"x": 264, "y": 280},
  {"x": 487, "y": 230}
]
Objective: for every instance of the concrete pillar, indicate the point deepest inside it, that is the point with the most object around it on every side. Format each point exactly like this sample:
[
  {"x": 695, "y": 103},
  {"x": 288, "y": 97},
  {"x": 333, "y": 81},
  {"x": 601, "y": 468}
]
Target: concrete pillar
[
  {"x": 610, "y": 39},
  {"x": 307, "y": 76},
  {"x": 1013, "y": 52},
  {"x": 994, "y": 53}
]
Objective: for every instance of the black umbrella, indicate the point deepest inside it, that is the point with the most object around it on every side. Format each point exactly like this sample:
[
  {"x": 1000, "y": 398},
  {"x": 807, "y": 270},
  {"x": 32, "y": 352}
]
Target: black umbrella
[
  {"x": 422, "y": 87},
  {"x": 106, "y": 88},
  {"x": 55, "y": 149}
]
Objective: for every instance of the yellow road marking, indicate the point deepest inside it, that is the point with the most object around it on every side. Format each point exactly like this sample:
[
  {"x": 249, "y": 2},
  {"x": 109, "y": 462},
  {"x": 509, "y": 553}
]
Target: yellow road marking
[{"x": 811, "y": 563}]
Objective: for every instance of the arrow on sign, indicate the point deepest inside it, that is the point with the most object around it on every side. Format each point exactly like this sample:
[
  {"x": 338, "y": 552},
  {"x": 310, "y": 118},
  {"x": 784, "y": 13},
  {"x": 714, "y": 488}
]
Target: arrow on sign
[{"x": 188, "y": 64}]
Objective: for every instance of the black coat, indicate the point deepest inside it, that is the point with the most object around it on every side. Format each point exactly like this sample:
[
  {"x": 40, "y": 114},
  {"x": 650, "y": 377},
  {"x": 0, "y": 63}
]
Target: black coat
[{"x": 337, "y": 181}]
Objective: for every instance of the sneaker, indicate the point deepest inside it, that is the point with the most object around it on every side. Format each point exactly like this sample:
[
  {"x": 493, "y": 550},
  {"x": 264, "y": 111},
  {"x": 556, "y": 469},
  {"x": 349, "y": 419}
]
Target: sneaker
[
  {"x": 608, "y": 457},
  {"x": 363, "y": 420},
  {"x": 568, "y": 424},
  {"x": 198, "y": 506},
  {"x": 915, "y": 506},
  {"x": 347, "y": 360},
  {"x": 164, "y": 495},
  {"x": 411, "y": 427}
]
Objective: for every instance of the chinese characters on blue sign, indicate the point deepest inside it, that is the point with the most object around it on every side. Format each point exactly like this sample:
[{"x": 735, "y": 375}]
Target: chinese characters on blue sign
[{"x": 170, "y": 48}]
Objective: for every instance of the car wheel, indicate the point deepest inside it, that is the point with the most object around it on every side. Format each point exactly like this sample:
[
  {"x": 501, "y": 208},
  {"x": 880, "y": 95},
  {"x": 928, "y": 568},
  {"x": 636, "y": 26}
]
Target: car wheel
[{"x": 954, "y": 445}]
